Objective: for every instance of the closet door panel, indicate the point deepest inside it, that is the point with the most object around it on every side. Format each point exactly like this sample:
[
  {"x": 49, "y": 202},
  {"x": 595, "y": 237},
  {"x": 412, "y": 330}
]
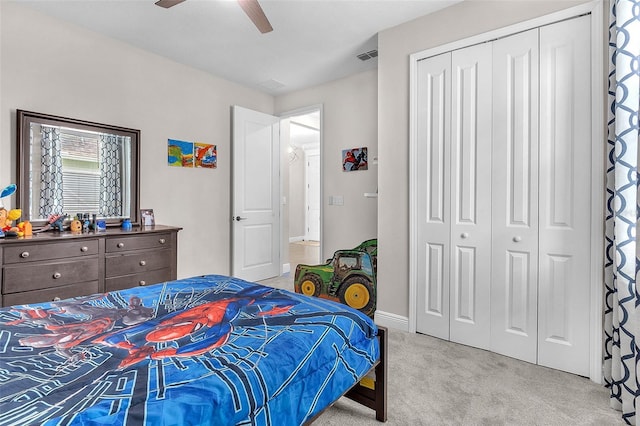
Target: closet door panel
[
  {"x": 471, "y": 195},
  {"x": 514, "y": 195},
  {"x": 565, "y": 195},
  {"x": 433, "y": 187}
]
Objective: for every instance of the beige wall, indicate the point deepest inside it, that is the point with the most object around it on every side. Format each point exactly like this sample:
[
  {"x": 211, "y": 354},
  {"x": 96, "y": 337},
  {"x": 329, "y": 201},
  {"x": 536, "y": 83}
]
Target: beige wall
[
  {"x": 349, "y": 121},
  {"x": 395, "y": 45},
  {"x": 49, "y": 66},
  {"x": 52, "y": 67}
]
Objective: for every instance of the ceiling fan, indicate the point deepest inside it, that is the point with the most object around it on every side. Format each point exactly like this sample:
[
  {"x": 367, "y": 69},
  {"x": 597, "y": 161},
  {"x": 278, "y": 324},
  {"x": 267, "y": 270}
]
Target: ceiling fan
[{"x": 251, "y": 7}]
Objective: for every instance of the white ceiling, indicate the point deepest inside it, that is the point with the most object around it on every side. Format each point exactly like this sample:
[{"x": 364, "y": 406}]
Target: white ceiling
[{"x": 313, "y": 41}]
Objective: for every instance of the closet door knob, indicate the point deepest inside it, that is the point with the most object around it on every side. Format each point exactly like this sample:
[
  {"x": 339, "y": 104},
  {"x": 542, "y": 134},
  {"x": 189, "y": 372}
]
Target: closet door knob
[
  {"x": 517, "y": 239},
  {"x": 464, "y": 235}
]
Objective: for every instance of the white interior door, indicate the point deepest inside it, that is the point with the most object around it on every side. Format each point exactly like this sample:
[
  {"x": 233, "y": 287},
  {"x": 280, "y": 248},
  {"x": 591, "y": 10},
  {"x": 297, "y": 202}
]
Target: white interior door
[
  {"x": 313, "y": 197},
  {"x": 255, "y": 221},
  {"x": 470, "y": 273},
  {"x": 514, "y": 288},
  {"x": 565, "y": 195},
  {"x": 433, "y": 201}
]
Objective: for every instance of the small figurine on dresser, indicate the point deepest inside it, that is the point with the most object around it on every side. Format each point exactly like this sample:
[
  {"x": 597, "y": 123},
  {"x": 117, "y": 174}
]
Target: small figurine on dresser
[
  {"x": 8, "y": 216},
  {"x": 75, "y": 226},
  {"x": 57, "y": 222}
]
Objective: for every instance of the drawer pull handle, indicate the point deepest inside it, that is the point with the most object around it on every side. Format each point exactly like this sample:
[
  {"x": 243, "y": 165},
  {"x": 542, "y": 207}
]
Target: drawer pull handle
[
  {"x": 162, "y": 241},
  {"x": 24, "y": 254},
  {"x": 56, "y": 299},
  {"x": 142, "y": 282},
  {"x": 142, "y": 263},
  {"x": 120, "y": 245},
  {"x": 84, "y": 248},
  {"x": 57, "y": 275}
]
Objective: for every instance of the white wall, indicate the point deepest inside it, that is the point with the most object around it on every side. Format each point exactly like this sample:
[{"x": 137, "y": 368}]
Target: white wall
[
  {"x": 349, "y": 120},
  {"x": 53, "y": 67},
  {"x": 395, "y": 45}
]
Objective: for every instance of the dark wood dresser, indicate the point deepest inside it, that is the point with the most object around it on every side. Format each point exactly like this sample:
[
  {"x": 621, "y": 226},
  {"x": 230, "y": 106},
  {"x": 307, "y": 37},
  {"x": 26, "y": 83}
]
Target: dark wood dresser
[{"x": 58, "y": 265}]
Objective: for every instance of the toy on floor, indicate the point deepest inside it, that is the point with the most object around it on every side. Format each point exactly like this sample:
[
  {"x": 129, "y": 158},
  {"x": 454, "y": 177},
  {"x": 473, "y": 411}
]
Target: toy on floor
[{"x": 349, "y": 277}]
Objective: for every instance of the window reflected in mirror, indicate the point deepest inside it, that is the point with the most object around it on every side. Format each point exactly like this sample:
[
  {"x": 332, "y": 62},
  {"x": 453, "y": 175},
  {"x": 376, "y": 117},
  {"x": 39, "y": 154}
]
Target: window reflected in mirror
[{"x": 76, "y": 167}]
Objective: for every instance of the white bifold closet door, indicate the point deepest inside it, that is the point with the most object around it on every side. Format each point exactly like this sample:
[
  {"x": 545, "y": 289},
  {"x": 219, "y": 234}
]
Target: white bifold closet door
[
  {"x": 504, "y": 143},
  {"x": 470, "y": 216},
  {"x": 454, "y": 95},
  {"x": 565, "y": 196},
  {"x": 514, "y": 286}
]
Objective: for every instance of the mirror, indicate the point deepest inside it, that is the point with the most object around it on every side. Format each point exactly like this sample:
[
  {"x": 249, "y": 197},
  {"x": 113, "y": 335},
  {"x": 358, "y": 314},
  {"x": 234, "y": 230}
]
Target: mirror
[{"x": 69, "y": 166}]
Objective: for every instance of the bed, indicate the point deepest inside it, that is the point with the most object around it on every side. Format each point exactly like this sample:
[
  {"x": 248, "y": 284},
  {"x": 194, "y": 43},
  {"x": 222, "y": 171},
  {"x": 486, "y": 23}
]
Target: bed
[{"x": 210, "y": 350}]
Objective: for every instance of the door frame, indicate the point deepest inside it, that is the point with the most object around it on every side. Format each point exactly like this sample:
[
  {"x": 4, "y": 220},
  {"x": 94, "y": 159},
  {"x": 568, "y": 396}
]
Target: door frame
[
  {"x": 595, "y": 9},
  {"x": 308, "y": 177},
  {"x": 285, "y": 234}
]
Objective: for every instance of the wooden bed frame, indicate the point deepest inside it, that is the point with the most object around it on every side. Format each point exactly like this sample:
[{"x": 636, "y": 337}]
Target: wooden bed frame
[{"x": 376, "y": 398}]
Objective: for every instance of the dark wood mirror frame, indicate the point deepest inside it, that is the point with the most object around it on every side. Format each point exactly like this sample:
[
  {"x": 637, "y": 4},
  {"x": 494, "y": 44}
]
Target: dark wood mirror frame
[{"x": 24, "y": 121}]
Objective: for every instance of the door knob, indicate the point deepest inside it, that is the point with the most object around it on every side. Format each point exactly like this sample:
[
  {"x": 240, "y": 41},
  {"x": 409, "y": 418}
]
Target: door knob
[
  {"x": 464, "y": 235},
  {"x": 517, "y": 239},
  {"x": 238, "y": 218}
]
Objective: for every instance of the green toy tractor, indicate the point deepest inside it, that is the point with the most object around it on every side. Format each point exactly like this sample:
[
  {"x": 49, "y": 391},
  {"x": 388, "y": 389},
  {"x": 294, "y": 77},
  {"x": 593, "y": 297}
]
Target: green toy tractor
[{"x": 349, "y": 277}]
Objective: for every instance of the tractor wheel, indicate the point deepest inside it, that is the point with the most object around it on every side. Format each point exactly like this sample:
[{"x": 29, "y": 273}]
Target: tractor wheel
[
  {"x": 311, "y": 285},
  {"x": 357, "y": 293}
]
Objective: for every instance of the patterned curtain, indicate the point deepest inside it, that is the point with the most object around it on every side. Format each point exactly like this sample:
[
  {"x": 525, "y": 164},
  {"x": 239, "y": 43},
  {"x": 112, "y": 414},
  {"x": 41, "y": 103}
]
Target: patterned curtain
[
  {"x": 111, "y": 147},
  {"x": 51, "y": 196},
  {"x": 622, "y": 355}
]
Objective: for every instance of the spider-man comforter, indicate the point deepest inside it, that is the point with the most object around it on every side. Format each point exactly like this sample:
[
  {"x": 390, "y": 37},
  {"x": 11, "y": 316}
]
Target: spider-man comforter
[{"x": 210, "y": 350}]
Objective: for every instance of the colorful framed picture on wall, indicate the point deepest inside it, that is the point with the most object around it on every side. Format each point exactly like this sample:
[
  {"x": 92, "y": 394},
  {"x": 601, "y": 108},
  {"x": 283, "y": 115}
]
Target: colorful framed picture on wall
[
  {"x": 180, "y": 153},
  {"x": 354, "y": 159},
  {"x": 205, "y": 155}
]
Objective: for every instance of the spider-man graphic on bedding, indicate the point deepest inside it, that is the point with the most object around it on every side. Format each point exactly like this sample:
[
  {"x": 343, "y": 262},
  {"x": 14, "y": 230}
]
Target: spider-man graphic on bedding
[{"x": 205, "y": 350}]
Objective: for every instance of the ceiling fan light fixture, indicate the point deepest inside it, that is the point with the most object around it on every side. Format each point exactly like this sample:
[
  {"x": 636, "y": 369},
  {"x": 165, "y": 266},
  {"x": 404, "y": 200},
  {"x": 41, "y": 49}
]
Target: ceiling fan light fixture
[
  {"x": 254, "y": 11},
  {"x": 168, "y": 3}
]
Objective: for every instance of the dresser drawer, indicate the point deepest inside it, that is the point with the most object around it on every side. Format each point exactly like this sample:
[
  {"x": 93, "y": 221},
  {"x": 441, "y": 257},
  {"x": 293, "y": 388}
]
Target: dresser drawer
[
  {"x": 21, "y": 253},
  {"x": 19, "y": 278},
  {"x": 142, "y": 279},
  {"x": 136, "y": 262},
  {"x": 125, "y": 243},
  {"x": 50, "y": 294}
]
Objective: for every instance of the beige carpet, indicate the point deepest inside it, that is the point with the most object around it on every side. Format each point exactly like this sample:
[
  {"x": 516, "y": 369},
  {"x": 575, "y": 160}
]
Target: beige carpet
[{"x": 435, "y": 382}]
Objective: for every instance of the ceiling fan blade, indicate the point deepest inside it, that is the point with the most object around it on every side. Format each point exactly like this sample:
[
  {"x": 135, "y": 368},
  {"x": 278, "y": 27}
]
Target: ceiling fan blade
[
  {"x": 256, "y": 14},
  {"x": 168, "y": 3}
]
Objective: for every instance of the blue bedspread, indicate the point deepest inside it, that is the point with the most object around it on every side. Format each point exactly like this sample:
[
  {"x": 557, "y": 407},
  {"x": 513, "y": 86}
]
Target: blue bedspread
[{"x": 209, "y": 350}]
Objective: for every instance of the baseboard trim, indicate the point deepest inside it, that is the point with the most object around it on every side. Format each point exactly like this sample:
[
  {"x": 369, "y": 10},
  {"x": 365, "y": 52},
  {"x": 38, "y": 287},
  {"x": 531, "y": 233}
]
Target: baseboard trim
[{"x": 389, "y": 320}]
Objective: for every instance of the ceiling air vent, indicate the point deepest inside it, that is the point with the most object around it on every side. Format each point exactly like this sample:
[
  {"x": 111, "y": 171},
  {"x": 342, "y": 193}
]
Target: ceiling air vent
[
  {"x": 368, "y": 55},
  {"x": 272, "y": 84}
]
